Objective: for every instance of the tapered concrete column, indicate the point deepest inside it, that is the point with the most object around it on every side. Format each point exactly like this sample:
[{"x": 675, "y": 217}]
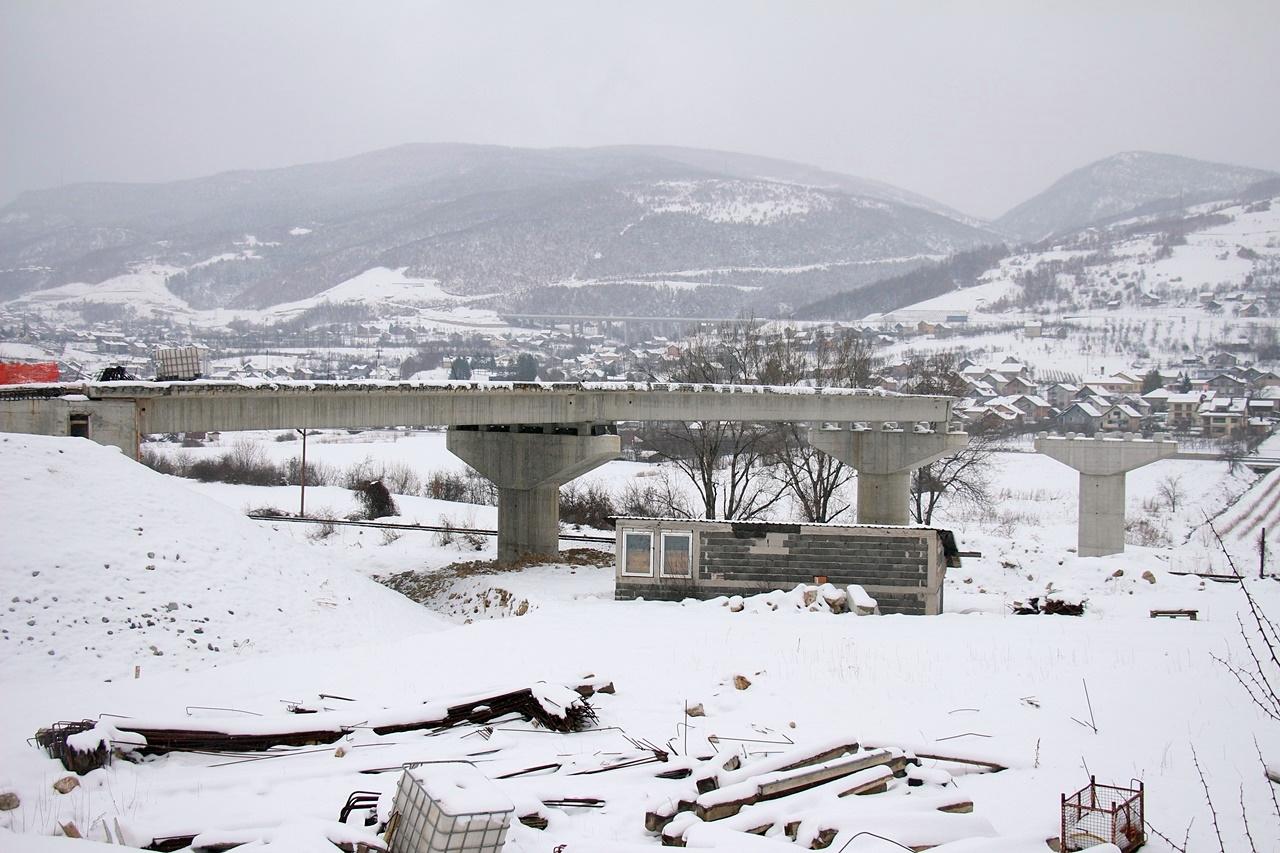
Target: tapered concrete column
[
  {"x": 884, "y": 459},
  {"x": 1103, "y": 463},
  {"x": 528, "y": 464}
]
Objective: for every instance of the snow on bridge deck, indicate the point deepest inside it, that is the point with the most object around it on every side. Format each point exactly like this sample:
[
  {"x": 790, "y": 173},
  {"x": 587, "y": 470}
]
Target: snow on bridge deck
[{"x": 240, "y": 405}]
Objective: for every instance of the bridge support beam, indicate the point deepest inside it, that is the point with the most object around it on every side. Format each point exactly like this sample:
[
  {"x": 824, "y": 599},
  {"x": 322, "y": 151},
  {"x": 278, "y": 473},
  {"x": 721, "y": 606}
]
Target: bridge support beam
[
  {"x": 1103, "y": 463},
  {"x": 884, "y": 459},
  {"x": 529, "y": 464}
]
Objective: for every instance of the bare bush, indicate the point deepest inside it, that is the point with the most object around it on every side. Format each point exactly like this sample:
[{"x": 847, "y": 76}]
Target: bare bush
[
  {"x": 480, "y": 490},
  {"x": 398, "y": 477},
  {"x": 446, "y": 486},
  {"x": 587, "y": 506},
  {"x": 445, "y": 536},
  {"x": 1146, "y": 531},
  {"x": 163, "y": 463},
  {"x": 653, "y": 500},
  {"x": 326, "y": 528},
  {"x": 375, "y": 500},
  {"x": 244, "y": 464},
  {"x": 318, "y": 474}
]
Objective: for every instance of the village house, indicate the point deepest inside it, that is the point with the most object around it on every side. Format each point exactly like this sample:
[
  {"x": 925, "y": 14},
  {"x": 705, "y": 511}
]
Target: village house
[
  {"x": 1158, "y": 399},
  {"x": 1015, "y": 385},
  {"x": 1184, "y": 409},
  {"x": 1225, "y": 384},
  {"x": 1222, "y": 417},
  {"x": 1080, "y": 417},
  {"x": 1034, "y": 409},
  {"x": 1060, "y": 394},
  {"x": 1122, "y": 418}
]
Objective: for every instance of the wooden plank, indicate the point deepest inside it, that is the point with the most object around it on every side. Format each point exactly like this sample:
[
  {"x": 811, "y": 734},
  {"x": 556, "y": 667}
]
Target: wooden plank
[{"x": 772, "y": 786}]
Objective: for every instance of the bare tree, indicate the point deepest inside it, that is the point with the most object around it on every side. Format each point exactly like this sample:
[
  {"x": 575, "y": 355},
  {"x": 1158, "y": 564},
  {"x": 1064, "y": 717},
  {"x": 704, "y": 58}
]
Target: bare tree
[
  {"x": 723, "y": 459},
  {"x": 843, "y": 359},
  {"x": 964, "y": 475},
  {"x": 1169, "y": 492}
]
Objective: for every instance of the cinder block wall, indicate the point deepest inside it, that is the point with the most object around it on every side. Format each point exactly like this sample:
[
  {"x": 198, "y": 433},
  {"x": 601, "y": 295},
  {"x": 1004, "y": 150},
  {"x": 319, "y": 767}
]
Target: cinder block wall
[{"x": 901, "y": 567}]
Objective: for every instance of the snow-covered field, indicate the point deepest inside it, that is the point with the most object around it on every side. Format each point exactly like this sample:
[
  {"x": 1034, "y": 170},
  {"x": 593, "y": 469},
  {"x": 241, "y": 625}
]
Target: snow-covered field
[{"x": 976, "y": 681}]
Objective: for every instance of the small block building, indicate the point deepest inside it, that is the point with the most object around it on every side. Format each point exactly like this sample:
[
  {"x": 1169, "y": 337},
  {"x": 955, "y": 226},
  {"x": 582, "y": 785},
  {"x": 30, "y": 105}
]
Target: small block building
[{"x": 669, "y": 559}]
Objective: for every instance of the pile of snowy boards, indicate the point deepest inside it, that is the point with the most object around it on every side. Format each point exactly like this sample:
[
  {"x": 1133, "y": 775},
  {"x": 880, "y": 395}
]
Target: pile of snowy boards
[{"x": 471, "y": 781}]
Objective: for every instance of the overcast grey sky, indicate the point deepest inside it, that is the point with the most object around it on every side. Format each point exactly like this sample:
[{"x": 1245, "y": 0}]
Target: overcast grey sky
[{"x": 977, "y": 104}]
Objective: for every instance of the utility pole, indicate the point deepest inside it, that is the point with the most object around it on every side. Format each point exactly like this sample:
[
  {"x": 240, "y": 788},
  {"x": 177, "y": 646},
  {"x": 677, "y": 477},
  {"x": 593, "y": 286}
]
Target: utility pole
[
  {"x": 302, "y": 477},
  {"x": 1262, "y": 554}
]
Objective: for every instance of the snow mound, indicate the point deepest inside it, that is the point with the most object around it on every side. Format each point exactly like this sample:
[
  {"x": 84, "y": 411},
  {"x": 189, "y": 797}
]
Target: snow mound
[{"x": 108, "y": 565}]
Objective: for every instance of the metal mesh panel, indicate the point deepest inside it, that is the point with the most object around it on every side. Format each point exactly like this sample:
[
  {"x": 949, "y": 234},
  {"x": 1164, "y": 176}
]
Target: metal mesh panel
[
  {"x": 424, "y": 827},
  {"x": 1103, "y": 814},
  {"x": 179, "y": 363}
]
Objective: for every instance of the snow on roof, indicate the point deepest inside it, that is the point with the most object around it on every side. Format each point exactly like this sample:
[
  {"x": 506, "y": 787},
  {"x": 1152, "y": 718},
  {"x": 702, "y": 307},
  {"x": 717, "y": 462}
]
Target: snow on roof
[{"x": 1088, "y": 409}]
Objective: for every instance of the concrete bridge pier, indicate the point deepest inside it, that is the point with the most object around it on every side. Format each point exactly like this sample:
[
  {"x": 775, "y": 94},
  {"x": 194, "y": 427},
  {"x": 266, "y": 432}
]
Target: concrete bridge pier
[
  {"x": 884, "y": 459},
  {"x": 529, "y": 463},
  {"x": 1103, "y": 463}
]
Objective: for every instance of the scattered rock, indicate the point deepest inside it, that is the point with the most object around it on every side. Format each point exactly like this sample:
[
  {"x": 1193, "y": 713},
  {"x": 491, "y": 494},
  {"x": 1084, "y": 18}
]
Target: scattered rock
[
  {"x": 741, "y": 682},
  {"x": 1118, "y": 573},
  {"x": 9, "y": 801},
  {"x": 340, "y": 752},
  {"x": 171, "y": 606},
  {"x": 736, "y": 604},
  {"x": 66, "y": 784},
  {"x": 1148, "y": 577},
  {"x": 696, "y": 710}
]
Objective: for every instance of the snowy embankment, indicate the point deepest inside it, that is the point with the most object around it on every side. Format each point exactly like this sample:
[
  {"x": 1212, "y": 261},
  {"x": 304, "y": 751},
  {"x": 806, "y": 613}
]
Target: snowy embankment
[{"x": 108, "y": 565}]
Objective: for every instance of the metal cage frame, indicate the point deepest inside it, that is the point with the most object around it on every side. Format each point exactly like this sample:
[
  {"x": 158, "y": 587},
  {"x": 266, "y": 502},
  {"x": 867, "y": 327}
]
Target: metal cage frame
[{"x": 1103, "y": 814}]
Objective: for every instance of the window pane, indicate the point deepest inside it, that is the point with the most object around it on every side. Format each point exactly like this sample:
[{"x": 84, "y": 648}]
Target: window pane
[
  {"x": 637, "y": 554},
  {"x": 675, "y": 555}
]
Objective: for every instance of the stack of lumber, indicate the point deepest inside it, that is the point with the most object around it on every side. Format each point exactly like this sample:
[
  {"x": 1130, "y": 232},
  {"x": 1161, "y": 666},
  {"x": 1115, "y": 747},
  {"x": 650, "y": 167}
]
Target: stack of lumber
[{"x": 818, "y": 796}]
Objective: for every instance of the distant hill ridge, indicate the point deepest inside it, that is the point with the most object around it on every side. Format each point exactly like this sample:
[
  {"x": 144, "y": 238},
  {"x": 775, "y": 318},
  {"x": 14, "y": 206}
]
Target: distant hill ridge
[
  {"x": 1129, "y": 183},
  {"x": 480, "y": 219},
  {"x": 623, "y": 229}
]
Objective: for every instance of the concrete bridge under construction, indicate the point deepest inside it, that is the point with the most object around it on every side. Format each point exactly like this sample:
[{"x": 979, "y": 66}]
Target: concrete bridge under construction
[{"x": 529, "y": 439}]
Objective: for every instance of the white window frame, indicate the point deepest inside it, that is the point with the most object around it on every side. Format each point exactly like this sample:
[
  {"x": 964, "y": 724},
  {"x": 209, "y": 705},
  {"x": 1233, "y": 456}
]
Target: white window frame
[
  {"x": 628, "y": 533},
  {"x": 662, "y": 556}
]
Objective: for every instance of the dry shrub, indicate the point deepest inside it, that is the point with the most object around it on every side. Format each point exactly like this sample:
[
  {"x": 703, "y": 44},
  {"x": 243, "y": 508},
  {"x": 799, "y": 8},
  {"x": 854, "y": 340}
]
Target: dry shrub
[
  {"x": 1146, "y": 531},
  {"x": 398, "y": 477},
  {"x": 375, "y": 500},
  {"x": 589, "y": 506},
  {"x": 326, "y": 528}
]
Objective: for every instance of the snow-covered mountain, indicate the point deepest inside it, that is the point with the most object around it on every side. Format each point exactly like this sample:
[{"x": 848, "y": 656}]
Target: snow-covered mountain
[
  {"x": 487, "y": 220},
  {"x": 1210, "y": 260},
  {"x": 1125, "y": 184}
]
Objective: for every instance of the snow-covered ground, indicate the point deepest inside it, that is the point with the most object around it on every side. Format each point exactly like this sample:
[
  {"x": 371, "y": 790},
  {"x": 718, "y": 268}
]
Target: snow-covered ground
[{"x": 975, "y": 681}]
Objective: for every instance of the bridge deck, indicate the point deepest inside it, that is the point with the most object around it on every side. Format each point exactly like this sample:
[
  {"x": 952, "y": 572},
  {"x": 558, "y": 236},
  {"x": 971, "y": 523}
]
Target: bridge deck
[{"x": 220, "y": 405}]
